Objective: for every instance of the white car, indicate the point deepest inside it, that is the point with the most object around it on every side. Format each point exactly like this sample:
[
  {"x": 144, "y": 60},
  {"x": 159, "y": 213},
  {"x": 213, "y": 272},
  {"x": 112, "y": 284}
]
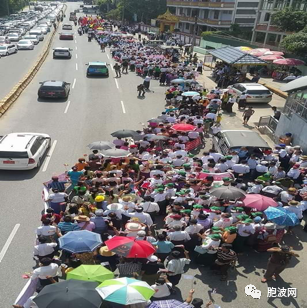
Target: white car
[
  {"x": 14, "y": 37},
  {"x": 43, "y": 29},
  {"x": 7, "y": 49},
  {"x": 25, "y": 44},
  {"x": 4, "y": 40},
  {"x": 23, "y": 151},
  {"x": 62, "y": 52},
  {"x": 33, "y": 38},
  {"x": 38, "y": 33}
]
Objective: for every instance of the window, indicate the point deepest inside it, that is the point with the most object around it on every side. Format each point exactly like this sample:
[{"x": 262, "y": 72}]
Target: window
[
  {"x": 187, "y": 26},
  {"x": 245, "y": 20},
  {"x": 216, "y": 15},
  {"x": 267, "y": 17},
  {"x": 36, "y": 145},
  {"x": 247, "y": 4},
  {"x": 7, "y": 154},
  {"x": 297, "y": 103},
  {"x": 246, "y": 12}
]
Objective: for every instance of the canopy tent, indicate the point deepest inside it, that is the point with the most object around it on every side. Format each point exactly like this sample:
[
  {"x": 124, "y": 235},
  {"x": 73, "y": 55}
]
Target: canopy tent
[
  {"x": 234, "y": 56},
  {"x": 299, "y": 83}
]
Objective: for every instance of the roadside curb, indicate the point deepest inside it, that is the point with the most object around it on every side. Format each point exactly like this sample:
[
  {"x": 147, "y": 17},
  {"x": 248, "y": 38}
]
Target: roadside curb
[
  {"x": 16, "y": 91},
  {"x": 274, "y": 90}
]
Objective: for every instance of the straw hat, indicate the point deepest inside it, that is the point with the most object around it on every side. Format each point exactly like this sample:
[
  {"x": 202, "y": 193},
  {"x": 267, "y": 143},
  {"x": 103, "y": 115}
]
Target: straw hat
[
  {"x": 127, "y": 198},
  {"x": 81, "y": 218},
  {"x": 115, "y": 206},
  {"x": 105, "y": 252},
  {"x": 133, "y": 226},
  {"x": 293, "y": 203}
]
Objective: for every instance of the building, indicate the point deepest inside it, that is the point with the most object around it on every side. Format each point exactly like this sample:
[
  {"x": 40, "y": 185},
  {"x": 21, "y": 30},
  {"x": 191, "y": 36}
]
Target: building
[
  {"x": 265, "y": 33},
  {"x": 213, "y": 15},
  {"x": 294, "y": 115}
]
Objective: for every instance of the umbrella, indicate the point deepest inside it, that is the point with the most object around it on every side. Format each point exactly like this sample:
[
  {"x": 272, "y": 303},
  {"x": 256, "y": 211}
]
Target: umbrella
[
  {"x": 228, "y": 192},
  {"x": 178, "y": 80},
  {"x": 115, "y": 153},
  {"x": 183, "y": 127},
  {"x": 130, "y": 248},
  {"x": 258, "y": 202},
  {"x": 96, "y": 273},
  {"x": 124, "y": 133},
  {"x": 157, "y": 137},
  {"x": 157, "y": 120},
  {"x": 69, "y": 294},
  {"x": 170, "y": 303},
  {"x": 80, "y": 241},
  {"x": 101, "y": 145},
  {"x": 281, "y": 216},
  {"x": 243, "y": 48},
  {"x": 190, "y": 93},
  {"x": 271, "y": 57},
  {"x": 125, "y": 291},
  {"x": 289, "y": 62},
  {"x": 272, "y": 52}
]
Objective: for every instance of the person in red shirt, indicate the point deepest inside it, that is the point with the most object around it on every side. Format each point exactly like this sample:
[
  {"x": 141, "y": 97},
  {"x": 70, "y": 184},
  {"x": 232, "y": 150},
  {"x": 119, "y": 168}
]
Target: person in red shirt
[{"x": 51, "y": 215}]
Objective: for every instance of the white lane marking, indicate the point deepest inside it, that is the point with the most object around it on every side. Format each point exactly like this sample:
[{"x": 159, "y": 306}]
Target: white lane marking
[
  {"x": 74, "y": 83},
  {"x": 76, "y": 56},
  {"x": 116, "y": 82},
  {"x": 76, "y": 66},
  {"x": 108, "y": 56},
  {"x": 76, "y": 48},
  {"x": 49, "y": 155},
  {"x": 76, "y": 41},
  {"x": 8, "y": 242},
  {"x": 123, "y": 106},
  {"x": 66, "y": 109}
]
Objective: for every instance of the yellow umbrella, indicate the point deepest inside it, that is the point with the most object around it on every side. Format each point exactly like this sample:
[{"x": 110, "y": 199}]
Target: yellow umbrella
[{"x": 244, "y": 48}]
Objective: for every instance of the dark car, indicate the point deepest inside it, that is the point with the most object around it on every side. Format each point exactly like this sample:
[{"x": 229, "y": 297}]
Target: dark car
[
  {"x": 66, "y": 36},
  {"x": 53, "y": 89}
]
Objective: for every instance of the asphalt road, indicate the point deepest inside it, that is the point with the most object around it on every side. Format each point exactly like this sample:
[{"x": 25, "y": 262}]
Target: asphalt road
[{"x": 95, "y": 108}]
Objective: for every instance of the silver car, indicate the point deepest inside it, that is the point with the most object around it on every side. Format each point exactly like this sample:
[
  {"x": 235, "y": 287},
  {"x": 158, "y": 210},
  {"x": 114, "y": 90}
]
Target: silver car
[
  {"x": 25, "y": 44},
  {"x": 33, "y": 38},
  {"x": 256, "y": 93},
  {"x": 14, "y": 37},
  {"x": 7, "y": 49}
]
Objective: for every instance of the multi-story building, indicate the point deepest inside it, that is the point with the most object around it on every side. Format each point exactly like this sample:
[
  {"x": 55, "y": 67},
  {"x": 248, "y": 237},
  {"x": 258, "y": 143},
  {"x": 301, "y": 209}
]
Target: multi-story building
[
  {"x": 211, "y": 15},
  {"x": 265, "y": 33}
]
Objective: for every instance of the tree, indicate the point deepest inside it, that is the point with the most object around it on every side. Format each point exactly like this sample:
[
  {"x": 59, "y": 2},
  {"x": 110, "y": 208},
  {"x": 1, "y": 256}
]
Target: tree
[
  {"x": 289, "y": 20},
  {"x": 296, "y": 43}
]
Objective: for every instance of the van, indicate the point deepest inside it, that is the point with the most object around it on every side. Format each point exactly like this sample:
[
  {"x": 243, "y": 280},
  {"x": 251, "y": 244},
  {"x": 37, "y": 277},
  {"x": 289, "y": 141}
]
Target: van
[{"x": 232, "y": 140}]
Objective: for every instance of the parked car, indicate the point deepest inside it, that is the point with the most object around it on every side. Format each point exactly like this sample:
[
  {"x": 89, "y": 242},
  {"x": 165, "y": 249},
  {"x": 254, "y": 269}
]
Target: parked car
[
  {"x": 53, "y": 89},
  {"x": 23, "y": 151},
  {"x": 25, "y": 44},
  {"x": 7, "y": 49},
  {"x": 62, "y": 52},
  {"x": 33, "y": 38},
  {"x": 256, "y": 93},
  {"x": 97, "y": 69},
  {"x": 66, "y": 36}
]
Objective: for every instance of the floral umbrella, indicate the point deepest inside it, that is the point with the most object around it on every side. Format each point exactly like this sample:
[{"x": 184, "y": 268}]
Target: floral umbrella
[
  {"x": 289, "y": 62},
  {"x": 271, "y": 57}
]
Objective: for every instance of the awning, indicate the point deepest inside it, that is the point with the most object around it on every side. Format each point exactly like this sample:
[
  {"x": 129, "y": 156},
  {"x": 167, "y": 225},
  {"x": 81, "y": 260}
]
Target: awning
[
  {"x": 234, "y": 56},
  {"x": 296, "y": 84}
]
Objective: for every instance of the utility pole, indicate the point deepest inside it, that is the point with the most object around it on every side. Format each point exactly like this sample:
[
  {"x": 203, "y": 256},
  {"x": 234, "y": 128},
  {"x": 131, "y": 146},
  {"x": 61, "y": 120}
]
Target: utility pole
[
  {"x": 123, "y": 12},
  {"x": 194, "y": 32},
  {"x": 8, "y": 7}
]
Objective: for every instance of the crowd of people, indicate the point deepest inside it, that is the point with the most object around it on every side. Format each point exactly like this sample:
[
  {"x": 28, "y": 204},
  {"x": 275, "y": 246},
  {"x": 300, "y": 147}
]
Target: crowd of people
[{"x": 163, "y": 194}]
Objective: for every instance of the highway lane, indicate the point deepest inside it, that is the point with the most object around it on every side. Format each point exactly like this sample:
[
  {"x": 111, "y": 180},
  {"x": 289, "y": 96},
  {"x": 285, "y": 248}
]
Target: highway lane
[{"x": 94, "y": 111}]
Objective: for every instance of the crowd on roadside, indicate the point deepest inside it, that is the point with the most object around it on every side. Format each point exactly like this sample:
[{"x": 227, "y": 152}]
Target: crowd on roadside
[{"x": 190, "y": 208}]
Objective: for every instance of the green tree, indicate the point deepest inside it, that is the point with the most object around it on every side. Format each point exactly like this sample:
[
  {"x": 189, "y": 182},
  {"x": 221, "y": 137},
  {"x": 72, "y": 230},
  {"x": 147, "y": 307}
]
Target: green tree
[
  {"x": 296, "y": 43},
  {"x": 289, "y": 20}
]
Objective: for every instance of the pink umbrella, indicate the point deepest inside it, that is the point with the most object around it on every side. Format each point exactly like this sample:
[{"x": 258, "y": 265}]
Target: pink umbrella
[
  {"x": 272, "y": 52},
  {"x": 289, "y": 61},
  {"x": 271, "y": 57},
  {"x": 258, "y": 202},
  {"x": 183, "y": 127}
]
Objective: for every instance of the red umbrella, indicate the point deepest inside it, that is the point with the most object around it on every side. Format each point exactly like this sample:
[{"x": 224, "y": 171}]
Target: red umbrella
[
  {"x": 130, "y": 248},
  {"x": 183, "y": 127},
  {"x": 258, "y": 202},
  {"x": 271, "y": 57},
  {"x": 289, "y": 61}
]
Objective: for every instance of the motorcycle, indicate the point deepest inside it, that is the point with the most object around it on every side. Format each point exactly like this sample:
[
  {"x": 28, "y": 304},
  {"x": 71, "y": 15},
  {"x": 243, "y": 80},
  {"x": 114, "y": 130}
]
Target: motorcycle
[{"x": 89, "y": 39}]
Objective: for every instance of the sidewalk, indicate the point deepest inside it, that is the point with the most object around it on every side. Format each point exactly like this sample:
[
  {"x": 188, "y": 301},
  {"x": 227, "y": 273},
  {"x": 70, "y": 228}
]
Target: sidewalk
[{"x": 234, "y": 120}]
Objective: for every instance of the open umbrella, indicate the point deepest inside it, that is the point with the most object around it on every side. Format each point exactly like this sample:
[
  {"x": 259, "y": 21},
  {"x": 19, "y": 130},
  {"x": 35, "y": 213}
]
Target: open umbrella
[
  {"x": 80, "y": 241},
  {"x": 157, "y": 120},
  {"x": 130, "y": 248},
  {"x": 183, "y": 127},
  {"x": 258, "y": 202},
  {"x": 281, "y": 216},
  {"x": 243, "y": 48},
  {"x": 272, "y": 52},
  {"x": 96, "y": 273},
  {"x": 169, "y": 303},
  {"x": 115, "y": 153},
  {"x": 289, "y": 62},
  {"x": 271, "y": 57},
  {"x": 69, "y": 294},
  {"x": 190, "y": 93},
  {"x": 157, "y": 137},
  {"x": 101, "y": 145},
  {"x": 124, "y": 133},
  {"x": 178, "y": 80},
  {"x": 228, "y": 192},
  {"x": 125, "y": 291}
]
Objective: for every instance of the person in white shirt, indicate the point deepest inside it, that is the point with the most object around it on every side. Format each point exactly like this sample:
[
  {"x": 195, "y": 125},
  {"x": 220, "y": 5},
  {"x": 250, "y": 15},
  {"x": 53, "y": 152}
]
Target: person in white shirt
[
  {"x": 46, "y": 230},
  {"x": 205, "y": 158},
  {"x": 287, "y": 196},
  {"x": 241, "y": 168},
  {"x": 194, "y": 227},
  {"x": 293, "y": 207},
  {"x": 245, "y": 229},
  {"x": 225, "y": 221},
  {"x": 256, "y": 188},
  {"x": 150, "y": 207},
  {"x": 178, "y": 161},
  {"x": 178, "y": 151},
  {"x": 45, "y": 271},
  {"x": 162, "y": 287},
  {"x": 208, "y": 249},
  {"x": 216, "y": 156},
  {"x": 142, "y": 217},
  {"x": 178, "y": 237},
  {"x": 171, "y": 118},
  {"x": 193, "y": 135},
  {"x": 272, "y": 190},
  {"x": 222, "y": 166},
  {"x": 273, "y": 169},
  {"x": 294, "y": 172},
  {"x": 44, "y": 249}
]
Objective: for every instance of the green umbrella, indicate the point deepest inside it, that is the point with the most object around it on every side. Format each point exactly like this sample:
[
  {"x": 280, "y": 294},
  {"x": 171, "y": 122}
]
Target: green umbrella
[
  {"x": 125, "y": 291},
  {"x": 96, "y": 273}
]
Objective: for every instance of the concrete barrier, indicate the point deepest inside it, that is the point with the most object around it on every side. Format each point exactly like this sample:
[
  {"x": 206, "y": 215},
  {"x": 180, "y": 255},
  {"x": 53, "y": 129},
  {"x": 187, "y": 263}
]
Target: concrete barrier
[{"x": 8, "y": 100}]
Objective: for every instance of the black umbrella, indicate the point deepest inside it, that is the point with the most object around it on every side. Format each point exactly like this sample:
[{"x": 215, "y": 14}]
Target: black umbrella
[
  {"x": 124, "y": 133},
  {"x": 157, "y": 137},
  {"x": 101, "y": 145},
  {"x": 227, "y": 192},
  {"x": 69, "y": 294}
]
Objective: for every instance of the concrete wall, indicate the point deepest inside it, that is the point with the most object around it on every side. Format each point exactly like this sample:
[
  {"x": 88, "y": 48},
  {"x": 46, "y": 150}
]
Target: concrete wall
[{"x": 296, "y": 126}]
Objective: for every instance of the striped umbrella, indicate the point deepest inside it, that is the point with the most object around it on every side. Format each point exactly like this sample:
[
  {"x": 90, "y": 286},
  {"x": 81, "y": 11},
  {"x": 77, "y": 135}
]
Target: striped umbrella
[{"x": 125, "y": 291}]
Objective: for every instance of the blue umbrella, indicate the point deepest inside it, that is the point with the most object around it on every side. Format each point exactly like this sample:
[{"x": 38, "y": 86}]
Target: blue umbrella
[
  {"x": 190, "y": 93},
  {"x": 80, "y": 241},
  {"x": 281, "y": 216}
]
